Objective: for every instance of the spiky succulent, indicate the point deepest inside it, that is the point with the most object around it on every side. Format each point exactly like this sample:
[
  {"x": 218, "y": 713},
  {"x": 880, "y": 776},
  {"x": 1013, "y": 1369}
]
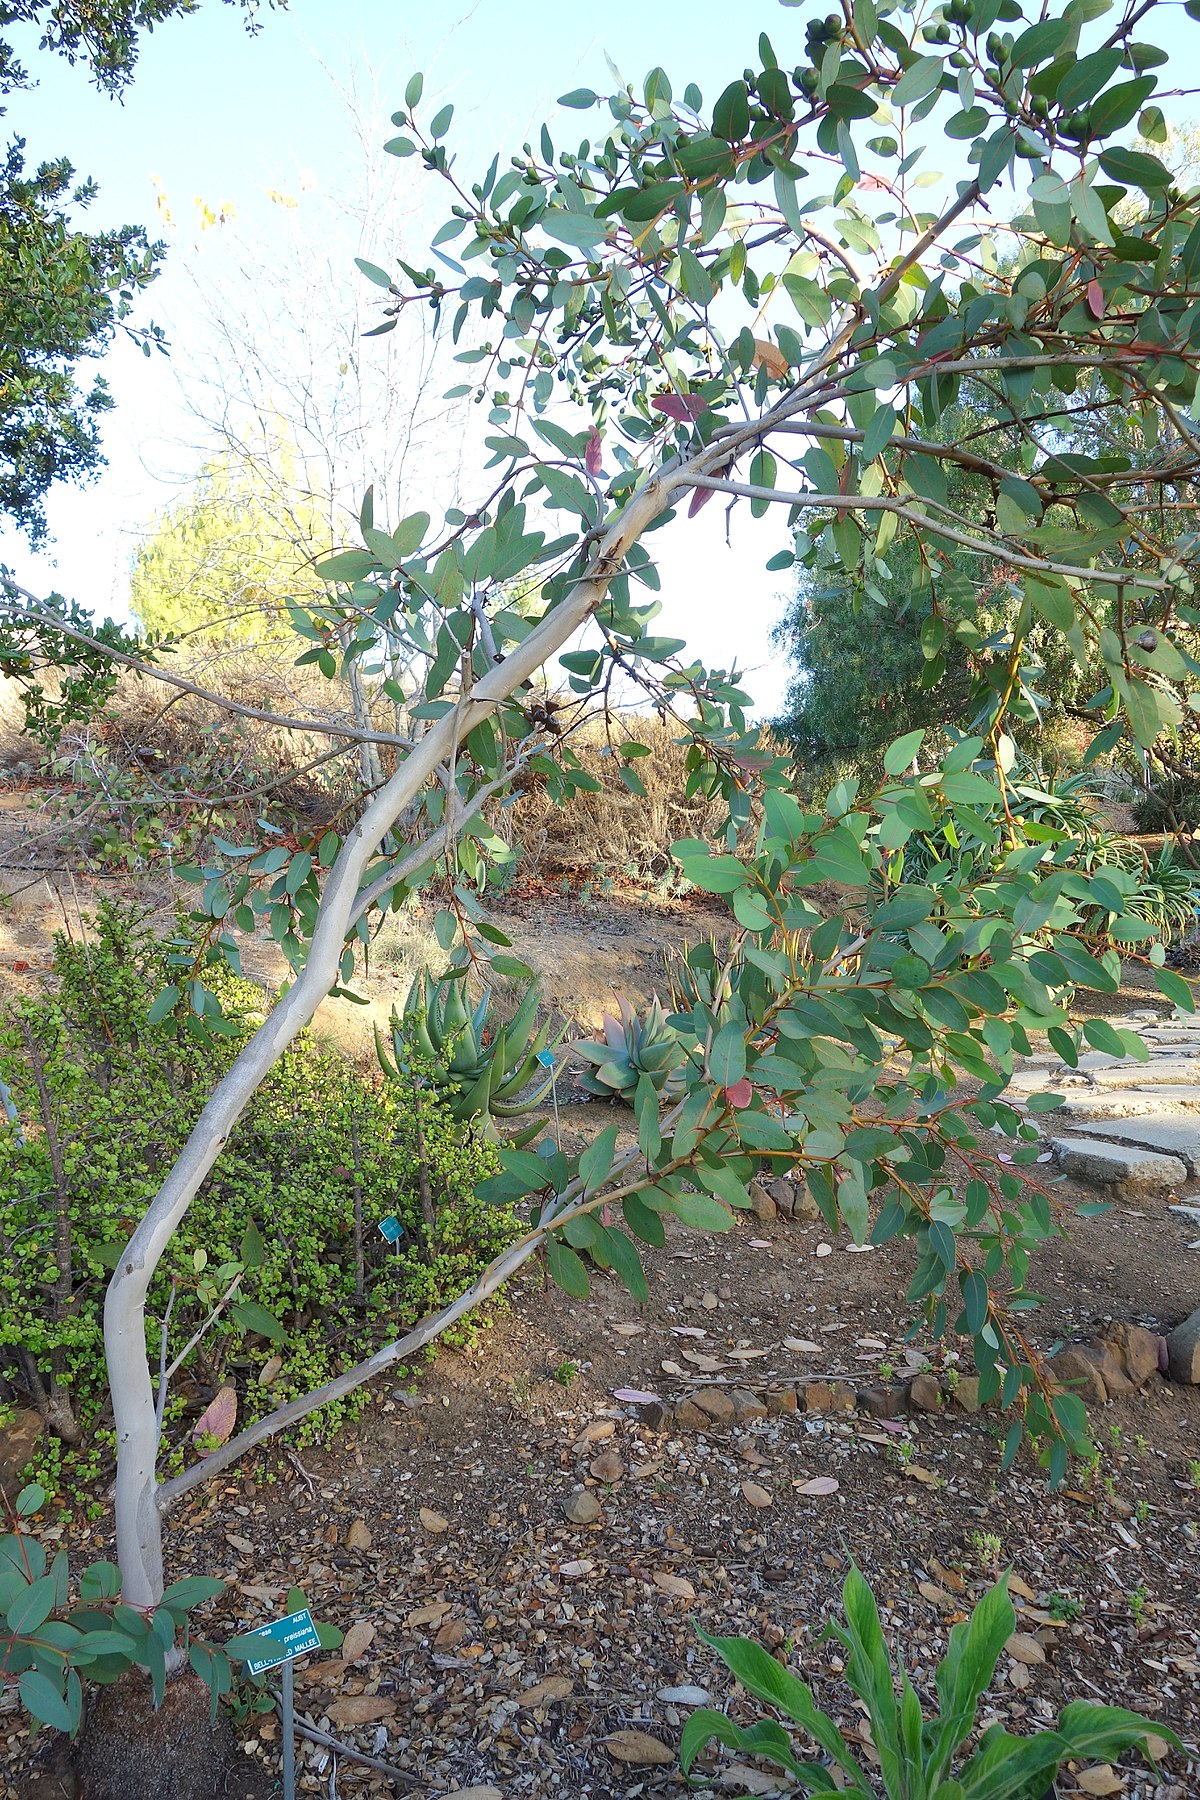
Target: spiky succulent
[
  {"x": 495, "y": 1079},
  {"x": 702, "y": 976},
  {"x": 633, "y": 1045}
]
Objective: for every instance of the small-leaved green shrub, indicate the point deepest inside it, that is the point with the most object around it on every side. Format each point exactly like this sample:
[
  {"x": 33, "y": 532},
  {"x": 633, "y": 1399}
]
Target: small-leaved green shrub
[
  {"x": 283, "y": 1241},
  {"x": 917, "y": 1756}
]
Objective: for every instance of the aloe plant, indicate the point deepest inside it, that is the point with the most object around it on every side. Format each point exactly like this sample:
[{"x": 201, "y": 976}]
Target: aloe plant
[
  {"x": 633, "y": 1045},
  {"x": 702, "y": 976},
  {"x": 496, "y": 1079}
]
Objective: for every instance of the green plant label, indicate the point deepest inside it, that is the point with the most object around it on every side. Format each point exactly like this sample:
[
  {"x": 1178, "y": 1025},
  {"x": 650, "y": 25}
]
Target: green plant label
[{"x": 283, "y": 1641}]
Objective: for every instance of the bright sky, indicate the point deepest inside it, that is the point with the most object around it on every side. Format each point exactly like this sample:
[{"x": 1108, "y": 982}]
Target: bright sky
[{"x": 214, "y": 114}]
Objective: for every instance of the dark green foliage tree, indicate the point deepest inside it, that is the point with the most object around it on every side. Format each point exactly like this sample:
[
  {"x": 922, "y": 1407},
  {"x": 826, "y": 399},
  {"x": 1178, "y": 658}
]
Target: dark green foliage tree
[
  {"x": 899, "y": 646},
  {"x": 64, "y": 290}
]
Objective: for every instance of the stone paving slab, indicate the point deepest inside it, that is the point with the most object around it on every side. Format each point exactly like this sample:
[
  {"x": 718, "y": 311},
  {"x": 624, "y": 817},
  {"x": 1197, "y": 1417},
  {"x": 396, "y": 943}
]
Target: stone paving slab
[
  {"x": 1162, "y": 1071},
  {"x": 1124, "y": 1103},
  {"x": 1169, "y": 1134},
  {"x": 1126, "y": 1171}
]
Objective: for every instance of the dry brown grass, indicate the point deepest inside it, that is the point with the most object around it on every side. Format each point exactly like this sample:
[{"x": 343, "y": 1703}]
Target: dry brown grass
[{"x": 611, "y": 831}]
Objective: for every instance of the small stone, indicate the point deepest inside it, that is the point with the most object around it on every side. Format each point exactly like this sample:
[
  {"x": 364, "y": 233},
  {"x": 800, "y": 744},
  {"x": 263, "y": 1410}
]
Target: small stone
[
  {"x": 883, "y": 1402},
  {"x": 655, "y": 1415},
  {"x": 1136, "y": 1349},
  {"x": 688, "y": 1417},
  {"x": 783, "y": 1194},
  {"x": 434, "y": 1522},
  {"x": 1111, "y": 1373},
  {"x": 1183, "y": 1350},
  {"x": 1130, "y": 1173},
  {"x": 828, "y": 1396},
  {"x": 781, "y": 1400},
  {"x": 925, "y": 1394},
  {"x": 687, "y": 1695},
  {"x": 762, "y": 1205},
  {"x": 608, "y": 1467},
  {"x": 716, "y": 1404},
  {"x": 582, "y": 1507},
  {"x": 804, "y": 1208},
  {"x": 19, "y": 1440},
  {"x": 966, "y": 1394},
  {"x": 1075, "y": 1368},
  {"x": 746, "y": 1405},
  {"x": 358, "y": 1537},
  {"x": 709, "y": 1301}
]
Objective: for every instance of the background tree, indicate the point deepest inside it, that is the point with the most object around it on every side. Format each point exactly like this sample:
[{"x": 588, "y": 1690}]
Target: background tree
[
  {"x": 876, "y": 653},
  {"x": 65, "y": 291},
  {"x": 225, "y": 562}
]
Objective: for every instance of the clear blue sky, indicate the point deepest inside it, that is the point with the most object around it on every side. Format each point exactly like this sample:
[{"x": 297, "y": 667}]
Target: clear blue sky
[{"x": 215, "y": 113}]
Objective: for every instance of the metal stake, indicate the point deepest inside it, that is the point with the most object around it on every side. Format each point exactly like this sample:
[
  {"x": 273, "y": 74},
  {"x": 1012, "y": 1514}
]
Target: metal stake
[
  {"x": 288, "y": 1723},
  {"x": 554, "y": 1096}
]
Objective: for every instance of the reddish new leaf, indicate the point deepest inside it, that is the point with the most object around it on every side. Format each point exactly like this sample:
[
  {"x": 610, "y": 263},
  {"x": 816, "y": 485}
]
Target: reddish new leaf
[
  {"x": 680, "y": 406},
  {"x": 591, "y": 460},
  {"x": 215, "y": 1425},
  {"x": 1095, "y": 299},
  {"x": 700, "y": 497},
  {"x": 741, "y": 1093}
]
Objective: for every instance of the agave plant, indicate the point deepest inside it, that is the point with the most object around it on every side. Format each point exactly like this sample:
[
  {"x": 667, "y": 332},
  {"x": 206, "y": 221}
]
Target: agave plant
[
  {"x": 496, "y": 1079},
  {"x": 633, "y": 1045},
  {"x": 702, "y": 976}
]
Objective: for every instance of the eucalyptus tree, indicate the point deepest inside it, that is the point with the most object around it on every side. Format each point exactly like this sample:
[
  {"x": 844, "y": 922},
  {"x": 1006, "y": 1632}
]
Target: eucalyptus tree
[{"x": 772, "y": 296}]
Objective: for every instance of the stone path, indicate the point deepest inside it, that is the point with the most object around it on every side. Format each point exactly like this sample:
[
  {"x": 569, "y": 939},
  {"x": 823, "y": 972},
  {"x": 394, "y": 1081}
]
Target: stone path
[{"x": 1130, "y": 1129}]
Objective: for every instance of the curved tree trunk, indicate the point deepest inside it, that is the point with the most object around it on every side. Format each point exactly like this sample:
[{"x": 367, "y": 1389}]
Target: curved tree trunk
[{"x": 139, "y": 1526}]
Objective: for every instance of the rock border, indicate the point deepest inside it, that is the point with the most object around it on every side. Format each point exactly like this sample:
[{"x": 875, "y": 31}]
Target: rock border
[{"x": 1120, "y": 1363}]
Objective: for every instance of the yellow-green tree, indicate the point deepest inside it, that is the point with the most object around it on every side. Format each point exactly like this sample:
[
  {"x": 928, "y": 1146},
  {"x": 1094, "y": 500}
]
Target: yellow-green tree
[{"x": 226, "y": 560}]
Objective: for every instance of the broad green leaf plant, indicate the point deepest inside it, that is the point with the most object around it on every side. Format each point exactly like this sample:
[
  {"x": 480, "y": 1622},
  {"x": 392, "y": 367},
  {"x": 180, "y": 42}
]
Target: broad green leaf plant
[
  {"x": 52, "y": 1640},
  {"x": 919, "y": 1758},
  {"x": 771, "y": 295}
]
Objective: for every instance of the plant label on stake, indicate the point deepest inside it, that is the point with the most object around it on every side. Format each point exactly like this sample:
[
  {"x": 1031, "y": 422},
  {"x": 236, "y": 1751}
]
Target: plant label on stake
[
  {"x": 282, "y": 1642},
  {"x": 391, "y": 1229},
  {"x": 287, "y": 1638}
]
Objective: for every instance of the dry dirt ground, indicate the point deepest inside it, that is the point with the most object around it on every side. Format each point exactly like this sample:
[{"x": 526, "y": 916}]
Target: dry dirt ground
[{"x": 504, "y": 1650}]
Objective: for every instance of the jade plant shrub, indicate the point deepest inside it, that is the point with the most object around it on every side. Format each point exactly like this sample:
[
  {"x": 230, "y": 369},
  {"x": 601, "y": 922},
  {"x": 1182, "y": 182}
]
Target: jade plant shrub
[
  {"x": 282, "y": 1245},
  {"x": 54, "y": 1636},
  {"x": 918, "y": 1757}
]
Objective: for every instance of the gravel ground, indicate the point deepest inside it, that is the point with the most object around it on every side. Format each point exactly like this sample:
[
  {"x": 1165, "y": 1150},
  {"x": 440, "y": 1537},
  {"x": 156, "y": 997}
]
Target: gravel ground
[{"x": 500, "y": 1647}]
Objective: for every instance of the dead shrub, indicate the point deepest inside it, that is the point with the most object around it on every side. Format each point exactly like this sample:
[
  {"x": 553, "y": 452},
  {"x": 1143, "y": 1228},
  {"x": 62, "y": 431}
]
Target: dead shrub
[{"x": 612, "y": 831}]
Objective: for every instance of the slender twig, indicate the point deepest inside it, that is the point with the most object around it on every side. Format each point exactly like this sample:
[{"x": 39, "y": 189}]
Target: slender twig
[
  {"x": 316, "y": 1736},
  {"x": 163, "y": 1372},
  {"x": 212, "y": 1318}
]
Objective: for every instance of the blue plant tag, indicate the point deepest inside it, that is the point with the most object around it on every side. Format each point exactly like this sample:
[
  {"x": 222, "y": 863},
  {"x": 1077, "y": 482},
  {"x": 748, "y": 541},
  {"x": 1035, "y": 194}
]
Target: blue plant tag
[
  {"x": 391, "y": 1229},
  {"x": 546, "y": 1058}
]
